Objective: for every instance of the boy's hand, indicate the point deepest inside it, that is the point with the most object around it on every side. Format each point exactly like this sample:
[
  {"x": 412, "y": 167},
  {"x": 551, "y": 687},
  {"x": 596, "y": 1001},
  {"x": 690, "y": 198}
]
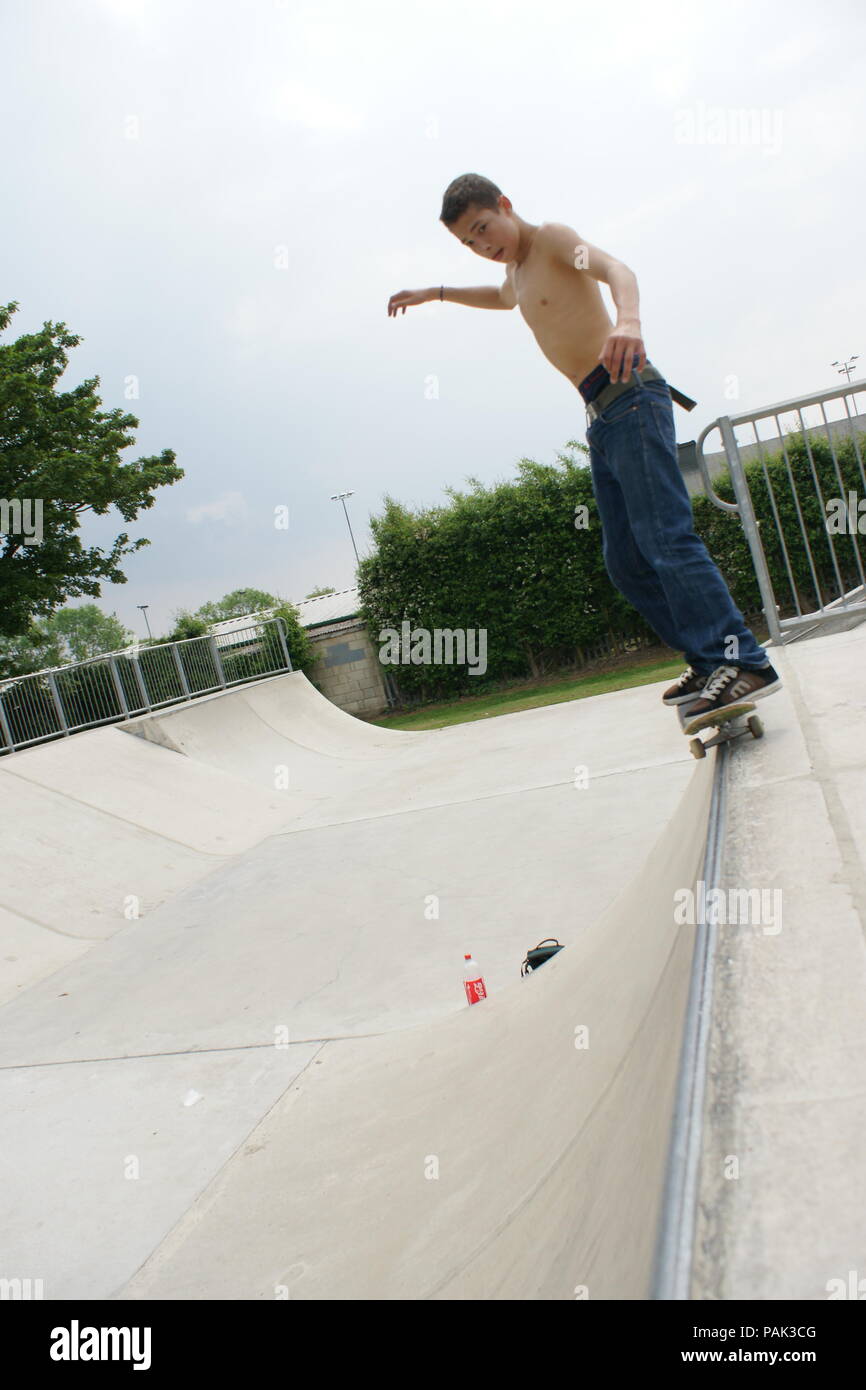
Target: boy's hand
[
  {"x": 404, "y": 298},
  {"x": 620, "y": 348}
]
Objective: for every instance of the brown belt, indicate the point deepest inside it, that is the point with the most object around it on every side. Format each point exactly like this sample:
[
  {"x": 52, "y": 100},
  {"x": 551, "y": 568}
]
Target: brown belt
[{"x": 617, "y": 388}]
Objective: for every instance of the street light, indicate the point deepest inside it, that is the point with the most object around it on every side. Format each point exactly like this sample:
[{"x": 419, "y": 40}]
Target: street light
[
  {"x": 144, "y": 607},
  {"x": 341, "y": 497},
  {"x": 846, "y": 366}
]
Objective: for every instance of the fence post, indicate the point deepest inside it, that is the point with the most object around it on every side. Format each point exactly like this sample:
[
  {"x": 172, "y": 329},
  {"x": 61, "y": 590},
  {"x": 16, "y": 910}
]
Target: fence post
[
  {"x": 180, "y": 671},
  {"x": 118, "y": 688},
  {"x": 217, "y": 661},
  {"x": 4, "y": 725},
  {"x": 139, "y": 680},
  {"x": 750, "y": 526},
  {"x": 58, "y": 704},
  {"x": 282, "y": 636}
]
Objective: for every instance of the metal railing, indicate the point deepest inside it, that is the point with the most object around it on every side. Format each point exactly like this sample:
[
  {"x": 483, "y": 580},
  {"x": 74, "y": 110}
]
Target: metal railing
[
  {"x": 814, "y": 530},
  {"x": 121, "y": 685}
]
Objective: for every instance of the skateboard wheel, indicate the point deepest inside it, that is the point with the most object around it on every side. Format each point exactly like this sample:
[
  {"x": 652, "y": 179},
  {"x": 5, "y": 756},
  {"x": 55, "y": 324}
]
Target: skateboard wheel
[
  {"x": 697, "y": 748},
  {"x": 756, "y": 728}
]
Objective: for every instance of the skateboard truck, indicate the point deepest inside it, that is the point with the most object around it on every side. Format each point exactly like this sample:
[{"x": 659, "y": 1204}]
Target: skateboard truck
[{"x": 730, "y": 722}]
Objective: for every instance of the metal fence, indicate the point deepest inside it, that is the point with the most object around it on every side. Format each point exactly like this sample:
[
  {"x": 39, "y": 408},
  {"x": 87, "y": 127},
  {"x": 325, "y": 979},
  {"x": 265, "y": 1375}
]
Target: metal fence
[
  {"x": 801, "y": 499},
  {"x": 120, "y": 685}
]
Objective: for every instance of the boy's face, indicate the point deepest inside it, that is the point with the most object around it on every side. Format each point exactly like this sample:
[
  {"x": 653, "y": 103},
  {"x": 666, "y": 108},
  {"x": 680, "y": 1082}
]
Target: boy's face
[{"x": 489, "y": 232}]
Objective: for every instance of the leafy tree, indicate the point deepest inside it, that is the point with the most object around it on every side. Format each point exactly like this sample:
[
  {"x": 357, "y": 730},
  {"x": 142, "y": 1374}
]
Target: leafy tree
[
  {"x": 236, "y": 605},
  {"x": 319, "y": 593},
  {"x": 33, "y": 650},
  {"x": 60, "y": 451},
  {"x": 71, "y": 634},
  {"x": 243, "y": 602},
  {"x": 87, "y": 631},
  {"x": 185, "y": 625}
]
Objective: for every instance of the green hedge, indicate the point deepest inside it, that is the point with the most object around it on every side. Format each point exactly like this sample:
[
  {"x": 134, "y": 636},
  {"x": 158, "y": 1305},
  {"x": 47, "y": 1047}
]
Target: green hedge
[{"x": 508, "y": 558}]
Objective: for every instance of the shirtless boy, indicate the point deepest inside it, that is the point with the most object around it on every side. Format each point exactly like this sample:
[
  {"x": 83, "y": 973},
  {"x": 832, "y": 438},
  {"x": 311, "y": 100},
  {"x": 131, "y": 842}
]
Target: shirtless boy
[{"x": 651, "y": 550}]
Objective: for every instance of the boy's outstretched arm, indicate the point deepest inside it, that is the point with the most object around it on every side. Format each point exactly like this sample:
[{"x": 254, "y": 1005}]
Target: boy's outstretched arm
[
  {"x": 484, "y": 297},
  {"x": 626, "y": 338}
]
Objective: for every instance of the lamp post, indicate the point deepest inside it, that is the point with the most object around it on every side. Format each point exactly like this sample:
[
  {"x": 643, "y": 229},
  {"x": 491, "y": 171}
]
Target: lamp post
[
  {"x": 144, "y": 607},
  {"x": 341, "y": 497},
  {"x": 846, "y": 366}
]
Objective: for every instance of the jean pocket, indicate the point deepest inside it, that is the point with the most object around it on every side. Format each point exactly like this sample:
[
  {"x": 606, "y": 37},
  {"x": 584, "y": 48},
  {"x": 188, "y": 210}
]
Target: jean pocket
[
  {"x": 625, "y": 404},
  {"x": 662, "y": 414},
  {"x": 659, "y": 391}
]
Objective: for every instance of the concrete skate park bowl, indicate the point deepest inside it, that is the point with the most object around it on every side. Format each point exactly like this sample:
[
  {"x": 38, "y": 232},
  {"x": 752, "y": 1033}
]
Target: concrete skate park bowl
[{"x": 237, "y": 1060}]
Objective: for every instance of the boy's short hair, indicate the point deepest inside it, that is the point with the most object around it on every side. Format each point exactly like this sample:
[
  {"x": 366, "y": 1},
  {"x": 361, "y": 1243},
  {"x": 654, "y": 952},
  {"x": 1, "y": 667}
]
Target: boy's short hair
[{"x": 467, "y": 191}]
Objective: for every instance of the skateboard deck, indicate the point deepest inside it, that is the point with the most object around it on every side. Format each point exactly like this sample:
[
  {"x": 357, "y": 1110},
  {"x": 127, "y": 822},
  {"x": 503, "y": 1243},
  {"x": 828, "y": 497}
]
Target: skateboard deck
[{"x": 734, "y": 721}]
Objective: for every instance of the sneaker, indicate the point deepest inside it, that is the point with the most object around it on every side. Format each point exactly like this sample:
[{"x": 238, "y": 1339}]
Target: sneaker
[
  {"x": 689, "y": 686},
  {"x": 734, "y": 685}
]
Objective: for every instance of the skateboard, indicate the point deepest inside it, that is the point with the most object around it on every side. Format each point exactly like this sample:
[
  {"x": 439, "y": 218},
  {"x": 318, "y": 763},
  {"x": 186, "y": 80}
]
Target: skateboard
[{"x": 735, "y": 721}]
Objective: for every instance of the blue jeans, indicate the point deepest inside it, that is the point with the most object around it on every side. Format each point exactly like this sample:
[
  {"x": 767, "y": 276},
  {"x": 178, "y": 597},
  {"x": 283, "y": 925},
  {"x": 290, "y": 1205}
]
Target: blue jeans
[{"x": 651, "y": 551}]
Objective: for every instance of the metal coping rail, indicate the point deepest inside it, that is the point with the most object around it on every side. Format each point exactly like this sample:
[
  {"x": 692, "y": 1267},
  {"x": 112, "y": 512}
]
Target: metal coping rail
[{"x": 674, "y": 1252}]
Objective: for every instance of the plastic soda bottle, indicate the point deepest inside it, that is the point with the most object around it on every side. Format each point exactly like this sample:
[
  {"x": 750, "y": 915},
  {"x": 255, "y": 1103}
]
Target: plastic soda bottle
[{"x": 472, "y": 981}]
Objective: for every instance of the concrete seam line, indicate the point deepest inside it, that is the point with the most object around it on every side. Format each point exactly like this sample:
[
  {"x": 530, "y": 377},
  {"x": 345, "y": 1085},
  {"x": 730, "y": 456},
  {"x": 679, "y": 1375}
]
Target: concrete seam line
[
  {"x": 676, "y": 1233},
  {"x": 53, "y": 792},
  {"x": 184, "y": 1052},
  {"x": 46, "y": 926}
]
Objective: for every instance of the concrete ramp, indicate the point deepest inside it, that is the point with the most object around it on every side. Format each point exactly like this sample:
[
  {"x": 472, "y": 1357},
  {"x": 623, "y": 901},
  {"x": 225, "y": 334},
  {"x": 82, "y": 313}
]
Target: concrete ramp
[
  {"x": 515, "y": 1150},
  {"x": 226, "y": 730},
  {"x": 131, "y": 825},
  {"x": 296, "y": 710},
  {"x": 266, "y": 1083},
  {"x": 266, "y": 1077}
]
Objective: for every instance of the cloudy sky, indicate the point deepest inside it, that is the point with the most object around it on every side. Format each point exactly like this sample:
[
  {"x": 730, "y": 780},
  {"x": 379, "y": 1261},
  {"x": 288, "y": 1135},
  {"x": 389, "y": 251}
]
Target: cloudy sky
[{"x": 220, "y": 197}]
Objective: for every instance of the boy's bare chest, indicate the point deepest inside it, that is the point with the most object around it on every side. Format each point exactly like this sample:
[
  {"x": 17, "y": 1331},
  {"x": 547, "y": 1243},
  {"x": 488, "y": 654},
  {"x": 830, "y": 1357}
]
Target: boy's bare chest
[
  {"x": 565, "y": 312},
  {"x": 549, "y": 295}
]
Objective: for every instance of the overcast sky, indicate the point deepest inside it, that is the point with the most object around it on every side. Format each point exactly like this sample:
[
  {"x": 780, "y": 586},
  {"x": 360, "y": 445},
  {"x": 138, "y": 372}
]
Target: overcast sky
[{"x": 221, "y": 197}]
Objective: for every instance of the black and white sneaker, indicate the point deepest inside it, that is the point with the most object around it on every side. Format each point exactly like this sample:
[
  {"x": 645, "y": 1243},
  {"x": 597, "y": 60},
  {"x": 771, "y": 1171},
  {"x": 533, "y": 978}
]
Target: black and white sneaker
[
  {"x": 689, "y": 686},
  {"x": 736, "y": 685}
]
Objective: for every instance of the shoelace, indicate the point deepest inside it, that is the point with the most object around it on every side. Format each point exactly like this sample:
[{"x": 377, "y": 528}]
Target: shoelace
[
  {"x": 687, "y": 675},
  {"x": 718, "y": 680}
]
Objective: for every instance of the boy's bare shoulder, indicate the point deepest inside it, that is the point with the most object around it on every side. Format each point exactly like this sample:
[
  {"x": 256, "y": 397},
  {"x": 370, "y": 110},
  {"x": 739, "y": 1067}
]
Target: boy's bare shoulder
[
  {"x": 564, "y": 246},
  {"x": 558, "y": 240}
]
